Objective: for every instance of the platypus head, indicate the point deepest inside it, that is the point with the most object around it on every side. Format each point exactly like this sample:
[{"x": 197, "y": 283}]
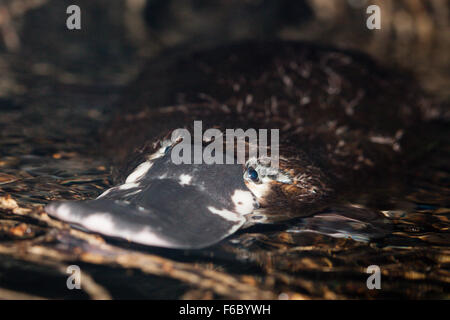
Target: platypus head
[
  {"x": 162, "y": 202},
  {"x": 292, "y": 189}
]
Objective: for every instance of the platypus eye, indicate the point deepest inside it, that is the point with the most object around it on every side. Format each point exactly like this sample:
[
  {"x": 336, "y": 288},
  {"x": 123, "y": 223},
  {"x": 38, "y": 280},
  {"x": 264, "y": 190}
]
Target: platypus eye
[{"x": 252, "y": 174}]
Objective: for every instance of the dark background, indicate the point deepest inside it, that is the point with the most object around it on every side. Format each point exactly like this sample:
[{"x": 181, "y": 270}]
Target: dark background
[{"x": 117, "y": 35}]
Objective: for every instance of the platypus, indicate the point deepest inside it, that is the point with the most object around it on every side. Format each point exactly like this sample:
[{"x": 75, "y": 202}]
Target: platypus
[{"x": 344, "y": 123}]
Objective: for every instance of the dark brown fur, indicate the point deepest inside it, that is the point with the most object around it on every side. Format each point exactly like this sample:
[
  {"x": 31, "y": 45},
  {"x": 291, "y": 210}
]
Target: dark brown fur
[{"x": 342, "y": 119}]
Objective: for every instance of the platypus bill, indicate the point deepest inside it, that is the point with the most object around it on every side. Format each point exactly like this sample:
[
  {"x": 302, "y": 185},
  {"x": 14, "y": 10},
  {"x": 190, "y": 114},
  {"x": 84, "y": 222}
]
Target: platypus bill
[{"x": 342, "y": 124}]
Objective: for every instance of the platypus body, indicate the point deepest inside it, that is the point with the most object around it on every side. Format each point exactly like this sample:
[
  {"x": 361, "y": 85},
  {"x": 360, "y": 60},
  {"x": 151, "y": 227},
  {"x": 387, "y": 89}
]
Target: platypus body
[{"x": 343, "y": 122}]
